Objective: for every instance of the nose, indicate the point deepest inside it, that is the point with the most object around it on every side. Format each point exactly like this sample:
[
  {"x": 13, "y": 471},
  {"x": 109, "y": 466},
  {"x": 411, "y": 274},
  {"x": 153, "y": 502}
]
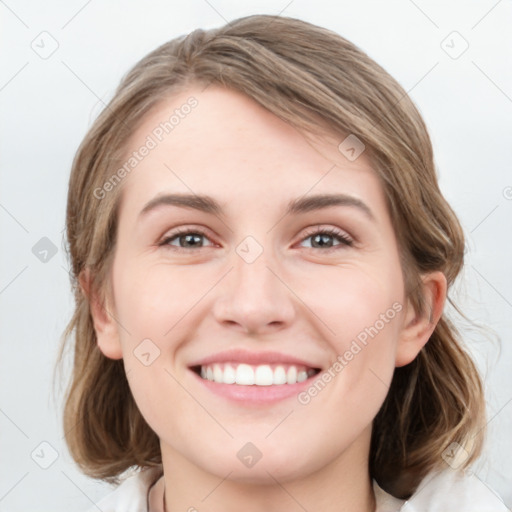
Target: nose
[{"x": 253, "y": 297}]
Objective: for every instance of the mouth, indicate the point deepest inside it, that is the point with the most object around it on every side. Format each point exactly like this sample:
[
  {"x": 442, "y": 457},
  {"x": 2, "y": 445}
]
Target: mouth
[
  {"x": 254, "y": 379},
  {"x": 243, "y": 374}
]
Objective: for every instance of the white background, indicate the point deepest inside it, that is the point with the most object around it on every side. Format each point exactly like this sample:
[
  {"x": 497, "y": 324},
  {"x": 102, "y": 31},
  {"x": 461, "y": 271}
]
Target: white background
[{"x": 48, "y": 104}]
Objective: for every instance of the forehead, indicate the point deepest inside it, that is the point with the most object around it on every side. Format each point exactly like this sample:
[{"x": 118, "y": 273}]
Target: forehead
[{"x": 230, "y": 147}]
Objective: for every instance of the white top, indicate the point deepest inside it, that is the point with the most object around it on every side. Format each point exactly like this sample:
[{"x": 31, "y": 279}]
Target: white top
[{"x": 448, "y": 490}]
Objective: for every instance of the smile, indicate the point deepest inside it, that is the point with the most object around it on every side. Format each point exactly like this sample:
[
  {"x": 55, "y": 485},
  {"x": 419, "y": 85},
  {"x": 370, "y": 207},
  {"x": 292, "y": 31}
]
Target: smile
[{"x": 255, "y": 375}]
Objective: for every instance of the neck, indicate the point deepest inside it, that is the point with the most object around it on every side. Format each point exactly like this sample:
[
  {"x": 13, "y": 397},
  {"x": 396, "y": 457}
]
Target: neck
[{"x": 342, "y": 485}]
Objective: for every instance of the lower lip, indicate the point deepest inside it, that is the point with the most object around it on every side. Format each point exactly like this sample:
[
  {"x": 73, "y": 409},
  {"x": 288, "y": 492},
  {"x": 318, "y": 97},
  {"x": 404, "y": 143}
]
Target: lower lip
[{"x": 257, "y": 395}]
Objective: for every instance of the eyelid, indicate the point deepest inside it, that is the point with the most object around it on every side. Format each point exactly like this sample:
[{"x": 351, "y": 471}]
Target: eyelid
[
  {"x": 183, "y": 230},
  {"x": 346, "y": 240}
]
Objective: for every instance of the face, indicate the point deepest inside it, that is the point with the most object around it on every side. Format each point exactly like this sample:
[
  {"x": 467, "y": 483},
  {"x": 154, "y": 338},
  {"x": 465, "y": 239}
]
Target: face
[{"x": 263, "y": 280}]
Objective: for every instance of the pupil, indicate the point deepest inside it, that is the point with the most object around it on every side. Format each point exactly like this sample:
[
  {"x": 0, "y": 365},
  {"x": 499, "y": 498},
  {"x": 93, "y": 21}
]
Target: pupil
[
  {"x": 190, "y": 238},
  {"x": 322, "y": 237}
]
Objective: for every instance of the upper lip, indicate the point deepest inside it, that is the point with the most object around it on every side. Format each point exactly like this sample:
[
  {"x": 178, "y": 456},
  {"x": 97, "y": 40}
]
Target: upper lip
[{"x": 240, "y": 356}]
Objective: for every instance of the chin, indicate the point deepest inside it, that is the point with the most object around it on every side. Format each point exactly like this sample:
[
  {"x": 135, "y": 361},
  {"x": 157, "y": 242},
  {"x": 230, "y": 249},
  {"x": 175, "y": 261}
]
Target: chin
[{"x": 266, "y": 466}]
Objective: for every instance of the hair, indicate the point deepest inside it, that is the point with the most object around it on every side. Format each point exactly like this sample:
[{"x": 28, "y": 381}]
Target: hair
[{"x": 318, "y": 82}]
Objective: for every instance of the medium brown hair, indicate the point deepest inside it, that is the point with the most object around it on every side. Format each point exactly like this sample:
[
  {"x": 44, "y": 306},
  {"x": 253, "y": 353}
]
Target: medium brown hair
[{"x": 311, "y": 78}]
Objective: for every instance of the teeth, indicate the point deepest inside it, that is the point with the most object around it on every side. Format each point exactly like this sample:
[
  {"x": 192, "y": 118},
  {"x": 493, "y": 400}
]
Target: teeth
[
  {"x": 302, "y": 376},
  {"x": 279, "y": 375},
  {"x": 217, "y": 372},
  {"x": 261, "y": 375},
  {"x": 291, "y": 376},
  {"x": 244, "y": 375},
  {"x": 229, "y": 376},
  {"x": 264, "y": 376}
]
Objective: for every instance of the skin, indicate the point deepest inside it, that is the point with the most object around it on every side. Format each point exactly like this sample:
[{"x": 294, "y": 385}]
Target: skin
[{"x": 296, "y": 298}]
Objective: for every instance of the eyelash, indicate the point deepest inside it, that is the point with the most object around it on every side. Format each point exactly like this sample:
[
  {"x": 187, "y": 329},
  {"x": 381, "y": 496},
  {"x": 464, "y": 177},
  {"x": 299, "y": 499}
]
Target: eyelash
[{"x": 344, "y": 239}]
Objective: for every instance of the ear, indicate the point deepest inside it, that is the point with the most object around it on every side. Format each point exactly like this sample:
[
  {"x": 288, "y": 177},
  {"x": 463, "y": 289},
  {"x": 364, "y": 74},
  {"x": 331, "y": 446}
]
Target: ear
[
  {"x": 105, "y": 325},
  {"x": 419, "y": 326}
]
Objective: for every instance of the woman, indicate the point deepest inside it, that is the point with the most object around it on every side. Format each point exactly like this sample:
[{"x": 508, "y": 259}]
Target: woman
[{"x": 262, "y": 256}]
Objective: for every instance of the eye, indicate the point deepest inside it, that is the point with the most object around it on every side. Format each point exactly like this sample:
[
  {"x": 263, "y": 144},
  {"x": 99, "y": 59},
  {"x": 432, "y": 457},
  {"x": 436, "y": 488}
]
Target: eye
[
  {"x": 322, "y": 239},
  {"x": 186, "y": 239}
]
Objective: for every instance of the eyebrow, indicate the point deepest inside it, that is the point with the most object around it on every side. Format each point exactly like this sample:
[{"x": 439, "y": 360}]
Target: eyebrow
[{"x": 207, "y": 204}]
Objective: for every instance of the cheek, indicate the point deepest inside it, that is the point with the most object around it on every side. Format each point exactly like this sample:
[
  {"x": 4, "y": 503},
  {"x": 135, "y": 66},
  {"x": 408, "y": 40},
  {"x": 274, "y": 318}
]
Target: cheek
[
  {"x": 153, "y": 304},
  {"x": 350, "y": 300},
  {"x": 361, "y": 308},
  {"x": 152, "y": 301},
  {"x": 158, "y": 306}
]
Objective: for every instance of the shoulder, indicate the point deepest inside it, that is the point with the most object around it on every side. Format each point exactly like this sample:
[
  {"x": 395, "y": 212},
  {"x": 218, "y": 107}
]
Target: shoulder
[
  {"x": 442, "y": 491},
  {"x": 453, "y": 490},
  {"x": 131, "y": 495}
]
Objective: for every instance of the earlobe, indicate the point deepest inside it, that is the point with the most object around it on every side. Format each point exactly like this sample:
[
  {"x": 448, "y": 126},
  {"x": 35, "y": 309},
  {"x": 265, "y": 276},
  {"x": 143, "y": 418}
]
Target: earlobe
[
  {"x": 419, "y": 326},
  {"x": 105, "y": 325}
]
